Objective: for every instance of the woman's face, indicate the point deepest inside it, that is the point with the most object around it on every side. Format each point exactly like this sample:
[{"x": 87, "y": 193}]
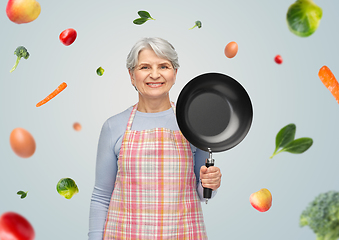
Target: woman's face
[{"x": 153, "y": 76}]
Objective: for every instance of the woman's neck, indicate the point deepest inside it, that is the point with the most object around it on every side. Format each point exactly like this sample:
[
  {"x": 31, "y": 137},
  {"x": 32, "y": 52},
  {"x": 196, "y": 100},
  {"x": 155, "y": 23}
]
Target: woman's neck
[{"x": 153, "y": 105}]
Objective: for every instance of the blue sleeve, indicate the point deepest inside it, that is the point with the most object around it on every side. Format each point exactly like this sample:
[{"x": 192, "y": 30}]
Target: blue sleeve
[
  {"x": 199, "y": 157},
  {"x": 106, "y": 170}
]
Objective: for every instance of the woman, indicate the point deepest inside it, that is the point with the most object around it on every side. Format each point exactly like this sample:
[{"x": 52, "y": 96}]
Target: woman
[{"x": 149, "y": 178}]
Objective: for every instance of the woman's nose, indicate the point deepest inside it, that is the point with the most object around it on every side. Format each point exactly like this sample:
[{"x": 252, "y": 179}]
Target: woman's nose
[{"x": 154, "y": 73}]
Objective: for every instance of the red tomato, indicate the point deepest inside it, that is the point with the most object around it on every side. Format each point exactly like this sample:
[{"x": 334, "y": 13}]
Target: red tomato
[
  {"x": 278, "y": 59},
  {"x": 68, "y": 36},
  {"x": 13, "y": 226}
]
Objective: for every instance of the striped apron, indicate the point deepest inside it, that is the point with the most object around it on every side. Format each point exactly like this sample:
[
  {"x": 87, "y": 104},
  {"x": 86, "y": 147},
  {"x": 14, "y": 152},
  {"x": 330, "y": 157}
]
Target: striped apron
[{"x": 155, "y": 195}]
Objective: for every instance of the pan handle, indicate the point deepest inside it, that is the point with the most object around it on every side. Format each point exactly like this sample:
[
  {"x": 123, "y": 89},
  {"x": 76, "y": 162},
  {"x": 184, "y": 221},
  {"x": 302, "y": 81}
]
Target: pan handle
[{"x": 209, "y": 162}]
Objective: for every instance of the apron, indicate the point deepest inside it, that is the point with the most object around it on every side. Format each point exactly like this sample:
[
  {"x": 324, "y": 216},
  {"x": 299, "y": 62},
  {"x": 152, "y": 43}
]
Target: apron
[{"x": 155, "y": 195}]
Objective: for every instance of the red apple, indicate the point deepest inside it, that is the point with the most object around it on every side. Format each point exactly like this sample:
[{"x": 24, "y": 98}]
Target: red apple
[
  {"x": 22, "y": 11},
  {"x": 261, "y": 200}
]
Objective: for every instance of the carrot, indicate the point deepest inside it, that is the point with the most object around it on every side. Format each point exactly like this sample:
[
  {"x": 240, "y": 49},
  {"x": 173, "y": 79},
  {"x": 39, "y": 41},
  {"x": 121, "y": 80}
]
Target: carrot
[
  {"x": 61, "y": 87},
  {"x": 329, "y": 80}
]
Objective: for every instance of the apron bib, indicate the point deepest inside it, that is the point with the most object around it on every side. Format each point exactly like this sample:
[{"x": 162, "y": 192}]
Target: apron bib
[{"x": 155, "y": 195}]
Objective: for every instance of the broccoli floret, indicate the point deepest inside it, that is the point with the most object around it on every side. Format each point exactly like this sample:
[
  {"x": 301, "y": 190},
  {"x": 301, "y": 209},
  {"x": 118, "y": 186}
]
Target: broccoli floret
[
  {"x": 322, "y": 216},
  {"x": 197, "y": 24},
  {"x": 21, "y": 52}
]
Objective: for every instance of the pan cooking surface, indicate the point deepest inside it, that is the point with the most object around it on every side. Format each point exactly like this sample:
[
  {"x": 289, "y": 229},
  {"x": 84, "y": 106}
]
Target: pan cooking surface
[
  {"x": 208, "y": 119},
  {"x": 214, "y": 111}
]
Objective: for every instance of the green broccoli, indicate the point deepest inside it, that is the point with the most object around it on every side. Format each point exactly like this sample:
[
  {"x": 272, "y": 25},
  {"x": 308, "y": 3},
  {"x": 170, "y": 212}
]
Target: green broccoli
[
  {"x": 21, "y": 52},
  {"x": 322, "y": 216},
  {"x": 197, "y": 24}
]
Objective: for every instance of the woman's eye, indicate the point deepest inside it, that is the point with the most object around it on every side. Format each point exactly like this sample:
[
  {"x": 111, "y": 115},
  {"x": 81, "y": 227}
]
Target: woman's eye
[
  {"x": 163, "y": 67},
  {"x": 144, "y": 67}
]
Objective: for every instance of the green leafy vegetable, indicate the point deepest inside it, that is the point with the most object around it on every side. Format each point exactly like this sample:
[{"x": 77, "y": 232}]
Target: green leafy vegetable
[
  {"x": 100, "y": 71},
  {"x": 299, "y": 145},
  {"x": 140, "y": 21},
  {"x": 144, "y": 14},
  {"x": 197, "y": 24},
  {"x": 322, "y": 216},
  {"x": 303, "y": 17},
  {"x": 67, "y": 188},
  {"x": 144, "y": 17},
  {"x": 286, "y": 143},
  {"x": 285, "y": 135},
  {"x": 22, "y": 193},
  {"x": 20, "y": 52}
]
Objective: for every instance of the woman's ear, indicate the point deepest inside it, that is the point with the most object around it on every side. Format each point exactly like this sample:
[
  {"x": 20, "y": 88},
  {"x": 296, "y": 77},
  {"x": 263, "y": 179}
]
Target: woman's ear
[
  {"x": 131, "y": 76},
  {"x": 175, "y": 73}
]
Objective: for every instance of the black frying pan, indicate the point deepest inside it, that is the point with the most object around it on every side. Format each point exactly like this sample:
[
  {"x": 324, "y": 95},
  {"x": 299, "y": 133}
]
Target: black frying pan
[{"x": 214, "y": 113}]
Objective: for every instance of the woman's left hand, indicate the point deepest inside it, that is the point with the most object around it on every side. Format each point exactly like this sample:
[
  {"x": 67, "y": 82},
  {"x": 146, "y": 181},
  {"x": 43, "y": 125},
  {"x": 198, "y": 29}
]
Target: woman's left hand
[{"x": 210, "y": 177}]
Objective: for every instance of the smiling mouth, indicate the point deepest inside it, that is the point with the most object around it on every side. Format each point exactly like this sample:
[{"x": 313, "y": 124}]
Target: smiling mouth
[{"x": 154, "y": 84}]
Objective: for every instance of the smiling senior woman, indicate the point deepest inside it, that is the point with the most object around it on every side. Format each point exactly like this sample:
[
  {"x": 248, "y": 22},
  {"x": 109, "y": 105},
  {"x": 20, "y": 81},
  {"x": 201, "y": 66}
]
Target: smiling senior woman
[{"x": 149, "y": 178}]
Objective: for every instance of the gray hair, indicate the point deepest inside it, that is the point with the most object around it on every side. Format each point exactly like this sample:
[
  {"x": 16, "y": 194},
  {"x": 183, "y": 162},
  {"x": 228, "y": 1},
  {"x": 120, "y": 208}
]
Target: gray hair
[{"x": 161, "y": 47}]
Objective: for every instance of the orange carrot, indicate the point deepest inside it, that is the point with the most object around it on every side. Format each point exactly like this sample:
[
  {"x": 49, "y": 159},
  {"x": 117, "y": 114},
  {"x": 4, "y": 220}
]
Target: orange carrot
[
  {"x": 329, "y": 80},
  {"x": 61, "y": 87}
]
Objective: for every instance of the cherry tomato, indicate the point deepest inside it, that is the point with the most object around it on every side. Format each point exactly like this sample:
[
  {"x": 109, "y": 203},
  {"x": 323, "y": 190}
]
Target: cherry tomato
[
  {"x": 68, "y": 36},
  {"x": 13, "y": 226},
  {"x": 278, "y": 59}
]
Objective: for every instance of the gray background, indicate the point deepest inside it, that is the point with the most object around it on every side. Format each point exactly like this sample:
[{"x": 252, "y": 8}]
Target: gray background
[{"x": 281, "y": 94}]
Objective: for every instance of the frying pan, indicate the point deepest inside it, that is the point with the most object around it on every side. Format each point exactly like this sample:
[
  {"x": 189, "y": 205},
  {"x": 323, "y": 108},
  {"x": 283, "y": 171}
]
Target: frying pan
[{"x": 214, "y": 113}]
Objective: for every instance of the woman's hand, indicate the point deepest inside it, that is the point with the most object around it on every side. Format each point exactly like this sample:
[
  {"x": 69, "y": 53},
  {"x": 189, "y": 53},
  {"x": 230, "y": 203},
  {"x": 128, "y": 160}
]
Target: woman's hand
[{"x": 210, "y": 177}]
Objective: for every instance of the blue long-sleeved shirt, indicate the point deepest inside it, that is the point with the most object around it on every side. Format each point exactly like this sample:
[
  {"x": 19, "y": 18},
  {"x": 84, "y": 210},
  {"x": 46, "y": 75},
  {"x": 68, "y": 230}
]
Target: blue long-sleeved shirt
[{"x": 109, "y": 145}]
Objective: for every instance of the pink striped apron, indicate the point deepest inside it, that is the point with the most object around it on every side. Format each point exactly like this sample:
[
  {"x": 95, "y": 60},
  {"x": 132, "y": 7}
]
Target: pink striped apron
[{"x": 155, "y": 193}]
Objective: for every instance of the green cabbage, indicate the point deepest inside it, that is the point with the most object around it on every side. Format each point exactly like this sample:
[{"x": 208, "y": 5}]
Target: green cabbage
[
  {"x": 66, "y": 187},
  {"x": 303, "y": 17}
]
